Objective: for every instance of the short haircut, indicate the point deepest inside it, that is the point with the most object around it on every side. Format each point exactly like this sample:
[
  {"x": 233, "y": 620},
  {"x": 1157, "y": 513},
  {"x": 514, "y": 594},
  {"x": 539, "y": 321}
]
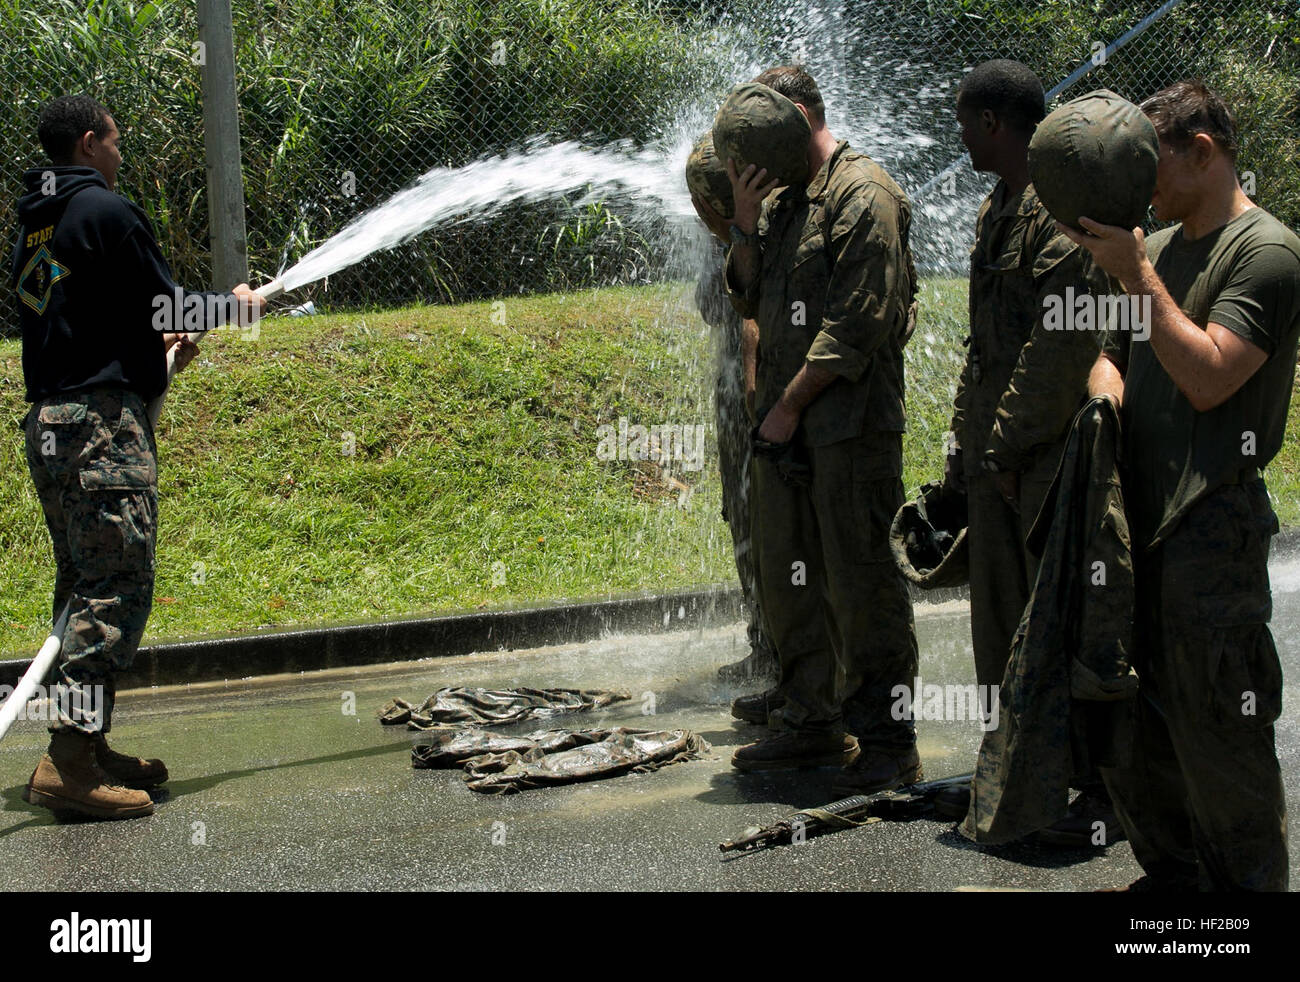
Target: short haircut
[
  {"x": 1187, "y": 108},
  {"x": 1008, "y": 89},
  {"x": 65, "y": 120},
  {"x": 793, "y": 82}
]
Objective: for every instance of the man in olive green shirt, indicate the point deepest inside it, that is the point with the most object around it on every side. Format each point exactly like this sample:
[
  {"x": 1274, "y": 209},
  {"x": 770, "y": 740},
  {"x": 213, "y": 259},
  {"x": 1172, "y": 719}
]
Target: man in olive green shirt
[
  {"x": 828, "y": 275},
  {"x": 1204, "y": 404}
]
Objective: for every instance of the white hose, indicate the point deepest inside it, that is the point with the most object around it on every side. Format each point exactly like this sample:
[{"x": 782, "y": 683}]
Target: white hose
[
  {"x": 40, "y": 665},
  {"x": 271, "y": 290}
]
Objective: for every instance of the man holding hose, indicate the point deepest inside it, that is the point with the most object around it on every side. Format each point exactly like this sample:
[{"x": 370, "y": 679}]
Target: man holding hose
[{"x": 92, "y": 285}]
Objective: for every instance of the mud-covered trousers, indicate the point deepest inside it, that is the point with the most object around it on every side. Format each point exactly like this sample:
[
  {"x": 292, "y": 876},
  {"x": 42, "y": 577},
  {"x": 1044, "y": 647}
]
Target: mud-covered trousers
[
  {"x": 1002, "y": 569},
  {"x": 836, "y": 606},
  {"x": 734, "y": 454},
  {"x": 92, "y": 460},
  {"x": 1202, "y": 801}
]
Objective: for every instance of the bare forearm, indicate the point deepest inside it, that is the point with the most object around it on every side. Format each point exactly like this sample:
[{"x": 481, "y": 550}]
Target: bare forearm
[
  {"x": 1190, "y": 355},
  {"x": 805, "y": 387},
  {"x": 749, "y": 352},
  {"x": 1105, "y": 380}
]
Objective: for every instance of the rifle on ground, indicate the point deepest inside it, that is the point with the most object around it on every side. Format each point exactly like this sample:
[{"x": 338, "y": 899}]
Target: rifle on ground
[{"x": 901, "y": 804}]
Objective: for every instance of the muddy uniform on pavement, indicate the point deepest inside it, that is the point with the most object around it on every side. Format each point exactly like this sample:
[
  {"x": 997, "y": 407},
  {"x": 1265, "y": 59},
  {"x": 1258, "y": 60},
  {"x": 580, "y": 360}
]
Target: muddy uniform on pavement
[
  {"x": 734, "y": 431},
  {"x": 1020, "y": 388},
  {"x": 835, "y": 286},
  {"x": 1203, "y": 800}
]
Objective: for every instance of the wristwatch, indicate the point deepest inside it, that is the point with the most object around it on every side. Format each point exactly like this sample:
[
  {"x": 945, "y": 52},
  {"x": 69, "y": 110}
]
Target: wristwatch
[{"x": 743, "y": 238}]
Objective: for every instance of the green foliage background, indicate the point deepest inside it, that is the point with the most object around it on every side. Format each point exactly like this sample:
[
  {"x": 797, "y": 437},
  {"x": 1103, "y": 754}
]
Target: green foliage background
[
  {"x": 387, "y": 89},
  {"x": 383, "y": 89},
  {"x": 1248, "y": 50}
]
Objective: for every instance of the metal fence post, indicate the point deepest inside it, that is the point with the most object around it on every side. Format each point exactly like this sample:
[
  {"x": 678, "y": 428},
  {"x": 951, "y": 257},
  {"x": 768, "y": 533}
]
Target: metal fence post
[{"x": 222, "y": 147}]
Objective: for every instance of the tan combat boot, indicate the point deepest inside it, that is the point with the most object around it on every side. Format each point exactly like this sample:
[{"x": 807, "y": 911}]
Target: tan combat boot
[
  {"x": 130, "y": 772},
  {"x": 69, "y": 778}
]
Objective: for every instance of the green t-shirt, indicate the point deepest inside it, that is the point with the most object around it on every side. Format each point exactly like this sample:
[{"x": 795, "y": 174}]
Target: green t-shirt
[{"x": 1246, "y": 277}]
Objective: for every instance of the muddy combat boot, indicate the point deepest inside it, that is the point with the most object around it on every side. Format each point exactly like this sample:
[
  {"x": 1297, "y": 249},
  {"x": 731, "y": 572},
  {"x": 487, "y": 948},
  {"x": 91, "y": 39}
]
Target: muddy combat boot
[
  {"x": 789, "y": 750},
  {"x": 1089, "y": 823},
  {"x": 758, "y": 664},
  {"x": 69, "y": 779},
  {"x": 756, "y": 708},
  {"x": 129, "y": 772},
  {"x": 878, "y": 770}
]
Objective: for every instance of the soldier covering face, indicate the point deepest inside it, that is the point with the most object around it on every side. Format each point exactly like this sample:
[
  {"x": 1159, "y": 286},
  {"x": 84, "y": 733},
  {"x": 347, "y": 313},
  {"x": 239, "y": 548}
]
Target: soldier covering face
[{"x": 824, "y": 267}]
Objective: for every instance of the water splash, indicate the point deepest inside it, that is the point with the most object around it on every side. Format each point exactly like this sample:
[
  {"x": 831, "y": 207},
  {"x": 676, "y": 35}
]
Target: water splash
[
  {"x": 447, "y": 196},
  {"x": 882, "y": 93}
]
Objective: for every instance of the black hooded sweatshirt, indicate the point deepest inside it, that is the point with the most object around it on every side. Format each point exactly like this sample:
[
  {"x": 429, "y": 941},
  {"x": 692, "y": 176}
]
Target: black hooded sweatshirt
[{"x": 87, "y": 270}]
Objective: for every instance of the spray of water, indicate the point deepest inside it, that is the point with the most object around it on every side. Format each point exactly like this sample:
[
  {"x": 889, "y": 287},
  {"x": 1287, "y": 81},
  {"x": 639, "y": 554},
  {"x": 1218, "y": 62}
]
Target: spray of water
[
  {"x": 881, "y": 100},
  {"x": 448, "y": 196}
]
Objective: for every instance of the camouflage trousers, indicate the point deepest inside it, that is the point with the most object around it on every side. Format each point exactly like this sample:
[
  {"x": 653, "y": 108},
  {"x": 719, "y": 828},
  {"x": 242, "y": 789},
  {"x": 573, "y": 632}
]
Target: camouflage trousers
[
  {"x": 92, "y": 459},
  {"x": 835, "y": 605},
  {"x": 735, "y": 450},
  {"x": 1202, "y": 802}
]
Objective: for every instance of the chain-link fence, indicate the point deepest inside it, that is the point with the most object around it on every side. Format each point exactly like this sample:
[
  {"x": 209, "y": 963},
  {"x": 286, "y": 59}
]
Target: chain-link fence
[{"x": 344, "y": 102}]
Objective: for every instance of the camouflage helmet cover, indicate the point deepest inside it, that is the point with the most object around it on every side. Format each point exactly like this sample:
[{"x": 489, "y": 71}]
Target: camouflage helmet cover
[
  {"x": 706, "y": 177},
  {"x": 1095, "y": 156},
  {"x": 757, "y": 125}
]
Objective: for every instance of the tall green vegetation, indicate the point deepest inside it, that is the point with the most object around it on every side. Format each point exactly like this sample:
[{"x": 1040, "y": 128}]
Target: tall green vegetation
[
  {"x": 1248, "y": 50},
  {"x": 342, "y": 96},
  {"x": 342, "y": 103}
]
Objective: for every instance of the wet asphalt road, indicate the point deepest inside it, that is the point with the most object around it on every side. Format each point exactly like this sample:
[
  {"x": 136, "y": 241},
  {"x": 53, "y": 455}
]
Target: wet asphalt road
[{"x": 274, "y": 786}]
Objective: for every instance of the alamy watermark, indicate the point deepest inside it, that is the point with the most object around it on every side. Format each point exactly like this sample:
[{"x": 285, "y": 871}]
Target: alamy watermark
[
  {"x": 947, "y": 703},
  {"x": 47, "y": 705},
  {"x": 77, "y": 935},
  {"x": 660, "y": 443},
  {"x": 179, "y": 312},
  {"x": 1098, "y": 312}
]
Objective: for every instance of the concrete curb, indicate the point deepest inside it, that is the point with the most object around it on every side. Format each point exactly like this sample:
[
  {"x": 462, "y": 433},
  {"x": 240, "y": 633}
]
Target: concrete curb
[{"x": 411, "y": 638}]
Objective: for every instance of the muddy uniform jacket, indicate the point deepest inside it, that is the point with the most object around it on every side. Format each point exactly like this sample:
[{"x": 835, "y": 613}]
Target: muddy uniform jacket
[
  {"x": 834, "y": 288},
  {"x": 1022, "y": 384},
  {"x": 1066, "y": 702}
]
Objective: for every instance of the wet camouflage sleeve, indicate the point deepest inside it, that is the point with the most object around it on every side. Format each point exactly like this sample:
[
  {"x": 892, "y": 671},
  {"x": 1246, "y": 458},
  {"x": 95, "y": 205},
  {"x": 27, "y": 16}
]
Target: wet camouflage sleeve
[
  {"x": 868, "y": 293},
  {"x": 711, "y": 296},
  {"x": 1050, "y": 377}
]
